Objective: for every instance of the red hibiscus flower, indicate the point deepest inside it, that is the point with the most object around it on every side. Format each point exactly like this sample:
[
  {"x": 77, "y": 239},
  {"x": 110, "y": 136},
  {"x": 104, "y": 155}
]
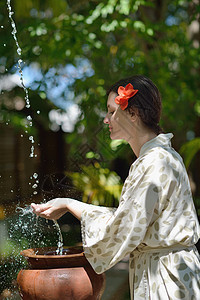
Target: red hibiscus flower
[{"x": 125, "y": 93}]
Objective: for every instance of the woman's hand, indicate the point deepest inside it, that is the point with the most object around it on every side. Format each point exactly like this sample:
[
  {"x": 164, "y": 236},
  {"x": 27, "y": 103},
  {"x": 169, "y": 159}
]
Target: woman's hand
[
  {"x": 51, "y": 210},
  {"x": 56, "y": 208}
]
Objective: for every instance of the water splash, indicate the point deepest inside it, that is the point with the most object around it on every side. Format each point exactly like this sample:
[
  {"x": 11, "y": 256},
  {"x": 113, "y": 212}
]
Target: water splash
[
  {"x": 26, "y": 230},
  {"x": 59, "y": 250},
  {"x": 23, "y": 211}
]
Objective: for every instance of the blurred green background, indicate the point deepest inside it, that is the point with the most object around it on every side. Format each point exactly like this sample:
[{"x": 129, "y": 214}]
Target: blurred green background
[{"x": 72, "y": 51}]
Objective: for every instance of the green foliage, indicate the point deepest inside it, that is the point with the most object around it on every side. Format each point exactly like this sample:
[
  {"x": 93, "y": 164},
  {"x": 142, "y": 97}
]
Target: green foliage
[
  {"x": 104, "y": 41},
  {"x": 189, "y": 150},
  {"x": 99, "y": 185},
  {"x": 116, "y": 39}
]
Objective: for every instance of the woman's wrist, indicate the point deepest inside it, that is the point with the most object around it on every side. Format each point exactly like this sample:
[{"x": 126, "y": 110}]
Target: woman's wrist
[{"x": 67, "y": 203}]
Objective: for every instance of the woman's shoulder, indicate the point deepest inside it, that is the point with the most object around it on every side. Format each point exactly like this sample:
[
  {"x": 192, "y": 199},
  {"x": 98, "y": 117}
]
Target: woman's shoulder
[{"x": 158, "y": 157}]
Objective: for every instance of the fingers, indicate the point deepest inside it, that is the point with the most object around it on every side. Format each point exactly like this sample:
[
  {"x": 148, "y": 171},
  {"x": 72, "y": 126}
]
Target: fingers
[
  {"x": 47, "y": 214},
  {"x": 34, "y": 207},
  {"x": 51, "y": 214},
  {"x": 41, "y": 207},
  {"x": 38, "y": 208},
  {"x": 45, "y": 211},
  {"x": 52, "y": 210}
]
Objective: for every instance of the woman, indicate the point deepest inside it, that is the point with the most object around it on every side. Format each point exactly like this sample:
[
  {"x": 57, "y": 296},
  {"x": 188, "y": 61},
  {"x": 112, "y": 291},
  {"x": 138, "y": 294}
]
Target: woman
[{"x": 155, "y": 222}]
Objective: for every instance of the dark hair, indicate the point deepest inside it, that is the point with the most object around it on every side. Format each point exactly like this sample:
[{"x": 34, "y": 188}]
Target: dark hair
[{"x": 147, "y": 100}]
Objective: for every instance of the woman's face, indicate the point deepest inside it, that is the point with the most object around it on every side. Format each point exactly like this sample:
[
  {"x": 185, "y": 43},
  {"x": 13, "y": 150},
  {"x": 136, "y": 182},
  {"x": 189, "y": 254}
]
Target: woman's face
[{"x": 119, "y": 120}]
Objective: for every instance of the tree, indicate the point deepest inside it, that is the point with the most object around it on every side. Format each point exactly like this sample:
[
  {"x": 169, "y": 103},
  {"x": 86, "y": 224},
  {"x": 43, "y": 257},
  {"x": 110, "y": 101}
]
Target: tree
[{"x": 104, "y": 41}]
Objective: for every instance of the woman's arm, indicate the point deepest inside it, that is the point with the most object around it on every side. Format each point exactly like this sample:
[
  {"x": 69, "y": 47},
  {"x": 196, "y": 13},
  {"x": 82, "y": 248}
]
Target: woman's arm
[{"x": 56, "y": 208}]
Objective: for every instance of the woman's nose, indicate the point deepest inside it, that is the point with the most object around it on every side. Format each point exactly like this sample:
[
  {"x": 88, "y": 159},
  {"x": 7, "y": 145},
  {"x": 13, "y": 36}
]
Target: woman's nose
[{"x": 106, "y": 119}]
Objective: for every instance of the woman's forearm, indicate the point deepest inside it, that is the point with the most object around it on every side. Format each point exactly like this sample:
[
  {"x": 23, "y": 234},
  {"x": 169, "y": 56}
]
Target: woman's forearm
[{"x": 76, "y": 207}]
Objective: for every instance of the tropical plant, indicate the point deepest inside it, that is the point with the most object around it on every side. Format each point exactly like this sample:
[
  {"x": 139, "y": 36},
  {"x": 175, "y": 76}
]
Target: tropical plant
[
  {"x": 83, "y": 47},
  {"x": 189, "y": 150},
  {"x": 100, "y": 186}
]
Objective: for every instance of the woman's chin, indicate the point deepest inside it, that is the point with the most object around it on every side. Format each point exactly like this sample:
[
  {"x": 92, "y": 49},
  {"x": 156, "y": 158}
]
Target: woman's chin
[
  {"x": 114, "y": 137},
  {"x": 111, "y": 136}
]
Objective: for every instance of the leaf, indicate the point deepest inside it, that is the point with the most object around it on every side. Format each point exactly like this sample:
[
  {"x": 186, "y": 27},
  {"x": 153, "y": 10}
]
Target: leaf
[{"x": 189, "y": 150}]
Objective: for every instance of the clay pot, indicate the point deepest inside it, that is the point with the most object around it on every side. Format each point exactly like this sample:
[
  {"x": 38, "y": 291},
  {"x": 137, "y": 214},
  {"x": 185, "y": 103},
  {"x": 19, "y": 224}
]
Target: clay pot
[{"x": 59, "y": 277}]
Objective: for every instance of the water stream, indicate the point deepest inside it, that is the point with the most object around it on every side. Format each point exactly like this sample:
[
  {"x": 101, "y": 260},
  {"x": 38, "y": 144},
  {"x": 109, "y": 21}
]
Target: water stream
[
  {"x": 19, "y": 52},
  {"x": 59, "y": 250},
  {"x": 23, "y": 229},
  {"x": 27, "y": 210},
  {"x": 20, "y": 63}
]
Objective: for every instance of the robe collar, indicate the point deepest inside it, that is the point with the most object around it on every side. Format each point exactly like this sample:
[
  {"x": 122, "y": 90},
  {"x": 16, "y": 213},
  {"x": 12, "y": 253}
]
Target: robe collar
[{"x": 161, "y": 140}]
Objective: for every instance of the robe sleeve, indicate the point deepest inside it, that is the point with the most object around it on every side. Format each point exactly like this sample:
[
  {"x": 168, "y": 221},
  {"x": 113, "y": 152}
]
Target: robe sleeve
[{"x": 108, "y": 236}]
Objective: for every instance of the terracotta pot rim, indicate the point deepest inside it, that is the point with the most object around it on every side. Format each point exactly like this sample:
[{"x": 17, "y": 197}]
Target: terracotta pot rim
[{"x": 31, "y": 253}]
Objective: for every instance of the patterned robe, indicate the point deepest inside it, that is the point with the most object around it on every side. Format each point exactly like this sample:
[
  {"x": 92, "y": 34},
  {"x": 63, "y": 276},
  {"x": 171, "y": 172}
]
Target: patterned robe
[{"x": 155, "y": 223}]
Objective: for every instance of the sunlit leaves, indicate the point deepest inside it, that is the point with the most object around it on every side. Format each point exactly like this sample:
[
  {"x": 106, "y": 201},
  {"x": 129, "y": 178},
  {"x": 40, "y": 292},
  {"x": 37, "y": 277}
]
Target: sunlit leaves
[
  {"x": 99, "y": 185},
  {"x": 118, "y": 39}
]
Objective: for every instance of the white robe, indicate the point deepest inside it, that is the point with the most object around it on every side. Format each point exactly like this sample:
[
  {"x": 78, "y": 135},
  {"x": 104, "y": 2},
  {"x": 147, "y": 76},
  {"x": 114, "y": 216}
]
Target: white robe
[{"x": 155, "y": 223}]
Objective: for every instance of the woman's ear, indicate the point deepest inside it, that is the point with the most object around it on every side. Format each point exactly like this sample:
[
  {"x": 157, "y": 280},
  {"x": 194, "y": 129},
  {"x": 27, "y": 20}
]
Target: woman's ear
[{"x": 134, "y": 114}]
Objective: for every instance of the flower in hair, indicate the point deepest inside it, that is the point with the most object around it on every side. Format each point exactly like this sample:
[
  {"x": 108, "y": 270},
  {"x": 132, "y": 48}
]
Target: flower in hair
[{"x": 125, "y": 93}]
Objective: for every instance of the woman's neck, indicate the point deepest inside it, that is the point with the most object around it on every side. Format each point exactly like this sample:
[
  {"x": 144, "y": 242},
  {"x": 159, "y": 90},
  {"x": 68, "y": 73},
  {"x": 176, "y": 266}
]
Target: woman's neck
[{"x": 140, "y": 139}]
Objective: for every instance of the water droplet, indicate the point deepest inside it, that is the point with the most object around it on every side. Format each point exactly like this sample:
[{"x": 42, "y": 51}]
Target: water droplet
[
  {"x": 35, "y": 175},
  {"x": 34, "y": 186},
  {"x": 29, "y": 118},
  {"x": 11, "y": 191},
  {"x": 21, "y": 135},
  {"x": 4, "y": 45},
  {"x": 35, "y": 193},
  {"x": 2, "y": 26},
  {"x": 19, "y": 51},
  {"x": 38, "y": 112},
  {"x": 32, "y": 141}
]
